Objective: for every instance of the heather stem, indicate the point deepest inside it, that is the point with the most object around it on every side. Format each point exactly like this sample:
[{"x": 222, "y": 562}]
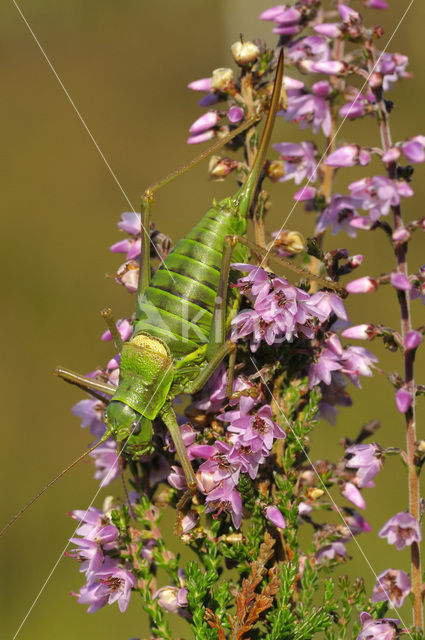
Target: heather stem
[{"x": 400, "y": 251}]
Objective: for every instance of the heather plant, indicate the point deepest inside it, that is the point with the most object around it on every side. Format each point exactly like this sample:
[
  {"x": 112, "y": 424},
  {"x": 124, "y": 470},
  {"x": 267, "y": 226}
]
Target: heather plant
[{"x": 249, "y": 438}]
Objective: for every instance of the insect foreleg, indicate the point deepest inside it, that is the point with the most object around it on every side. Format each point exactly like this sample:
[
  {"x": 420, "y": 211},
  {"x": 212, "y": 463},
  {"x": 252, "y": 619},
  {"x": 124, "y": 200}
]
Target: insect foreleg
[
  {"x": 170, "y": 420},
  {"x": 196, "y": 385}
]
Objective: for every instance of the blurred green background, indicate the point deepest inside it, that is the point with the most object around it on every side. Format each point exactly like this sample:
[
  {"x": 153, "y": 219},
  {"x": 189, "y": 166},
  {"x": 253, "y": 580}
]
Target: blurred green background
[{"x": 126, "y": 66}]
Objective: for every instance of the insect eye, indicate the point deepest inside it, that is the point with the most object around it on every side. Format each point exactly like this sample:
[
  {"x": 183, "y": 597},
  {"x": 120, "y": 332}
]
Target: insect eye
[
  {"x": 105, "y": 416},
  {"x": 135, "y": 427}
]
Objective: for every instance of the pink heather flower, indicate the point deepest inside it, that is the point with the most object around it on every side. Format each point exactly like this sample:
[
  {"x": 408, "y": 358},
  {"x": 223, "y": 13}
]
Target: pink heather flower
[
  {"x": 339, "y": 214},
  {"x": 201, "y": 137},
  {"x": 321, "y": 369},
  {"x": 89, "y": 553},
  {"x": 225, "y": 497},
  {"x": 392, "y": 585},
  {"x": 90, "y": 521},
  {"x": 298, "y": 161},
  {"x": 331, "y": 67},
  {"x": 125, "y": 329},
  {"x": 400, "y": 235},
  {"x": 256, "y": 285},
  {"x": 204, "y": 84},
  {"x": 359, "y": 332},
  {"x": 381, "y": 629},
  {"x": 364, "y": 458},
  {"x": 270, "y": 14},
  {"x": 414, "y": 149},
  {"x": 356, "y": 523},
  {"x": 323, "y": 304},
  {"x": 331, "y": 551},
  {"x": 305, "y": 193},
  {"x": 348, "y": 15},
  {"x": 378, "y": 194},
  {"x": 328, "y": 29},
  {"x": 310, "y": 110},
  {"x": 376, "y": 4},
  {"x": 111, "y": 583},
  {"x": 399, "y": 281},
  {"x": 257, "y": 432},
  {"x": 362, "y": 285},
  {"x": 90, "y": 412},
  {"x": 348, "y": 156},
  {"x": 275, "y": 516},
  {"x": 350, "y": 491},
  {"x": 128, "y": 275},
  {"x": 171, "y": 598},
  {"x": 357, "y": 361},
  {"x": 321, "y": 88},
  {"x": 312, "y": 48},
  {"x": 176, "y": 478},
  {"x": 206, "y": 121},
  {"x": 412, "y": 340},
  {"x": 235, "y": 114},
  {"x": 106, "y": 462},
  {"x": 392, "y": 66},
  {"x": 218, "y": 467},
  {"x": 130, "y": 223},
  {"x": 189, "y": 521},
  {"x": 354, "y": 109},
  {"x": 403, "y": 400},
  {"x": 333, "y": 395},
  {"x": 402, "y": 530}
]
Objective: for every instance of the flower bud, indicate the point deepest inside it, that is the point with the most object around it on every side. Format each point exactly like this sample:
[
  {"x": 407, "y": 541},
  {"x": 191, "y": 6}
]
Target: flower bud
[
  {"x": 244, "y": 53},
  {"x": 375, "y": 80},
  {"x": 201, "y": 137},
  {"x": 355, "y": 261},
  {"x": 291, "y": 241},
  {"x": 332, "y": 67},
  {"x": 403, "y": 400},
  {"x": 219, "y": 168},
  {"x": 315, "y": 493},
  {"x": 399, "y": 281},
  {"x": 205, "y": 122},
  {"x": 412, "y": 340},
  {"x": 348, "y": 15},
  {"x": 392, "y": 155},
  {"x": 414, "y": 149},
  {"x": 275, "y": 170},
  {"x": 321, "y": 88},
  {"x": 306, "y": 193},
  {"x": 401, "y": 235},
  {"x": 273, "y": 514},
  {"x": 270, "y": 14},
  {"x": 420, "y": 446},
  {"x": 235, "y": 114},
  {"x": 362, "y": 285},
  {"x": 328, "y": 29},
  {"x": 376, "y": 4},
  {"x": 203, "y": 84},
  {"x": 350, "y": 491},
  {"x": 222, "y": 79},
  {"x": 360, "y": 332}
]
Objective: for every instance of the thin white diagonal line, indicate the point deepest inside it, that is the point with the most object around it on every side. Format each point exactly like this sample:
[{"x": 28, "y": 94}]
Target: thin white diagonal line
[
  {"x": 326, "y": 490},
  {"x": 44, "y": 585},
  {"x": 92, "y": 138},
  {"x": 337, "y": 131}
]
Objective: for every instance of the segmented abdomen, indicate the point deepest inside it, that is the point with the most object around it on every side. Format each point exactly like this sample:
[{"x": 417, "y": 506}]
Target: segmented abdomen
[{"x": 178, "y": 305}]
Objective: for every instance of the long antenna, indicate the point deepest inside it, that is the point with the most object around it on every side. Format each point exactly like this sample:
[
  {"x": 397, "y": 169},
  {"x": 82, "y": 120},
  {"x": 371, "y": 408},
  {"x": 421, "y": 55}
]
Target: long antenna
[
  {"x": 248, "y": 188},
  {"x": 52, "y": 482}
]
